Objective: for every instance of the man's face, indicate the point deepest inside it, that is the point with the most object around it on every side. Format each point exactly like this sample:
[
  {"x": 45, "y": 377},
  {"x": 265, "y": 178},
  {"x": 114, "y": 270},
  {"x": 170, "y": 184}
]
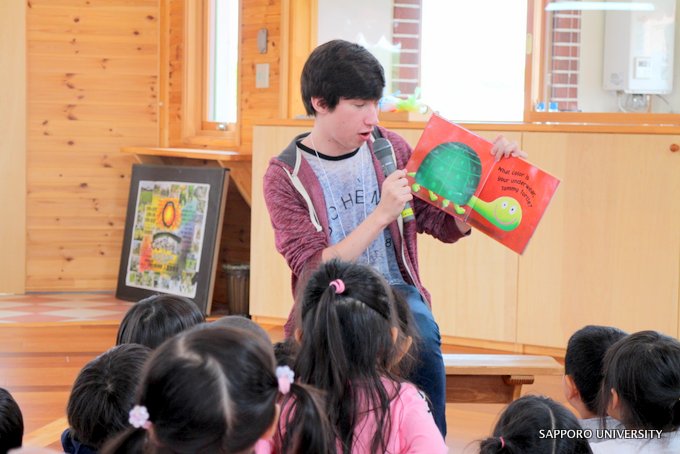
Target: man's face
[{"x": 349, "y": 125}]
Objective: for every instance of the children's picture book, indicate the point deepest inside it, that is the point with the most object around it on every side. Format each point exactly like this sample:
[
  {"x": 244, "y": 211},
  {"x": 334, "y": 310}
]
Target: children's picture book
[{"x": 454, "y": 170}]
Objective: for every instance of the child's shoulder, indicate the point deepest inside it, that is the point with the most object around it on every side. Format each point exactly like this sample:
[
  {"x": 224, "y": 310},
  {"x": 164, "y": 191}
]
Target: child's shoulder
[
  {"x": 666, "y": 443},
  {"x": 407, "y": 396}
]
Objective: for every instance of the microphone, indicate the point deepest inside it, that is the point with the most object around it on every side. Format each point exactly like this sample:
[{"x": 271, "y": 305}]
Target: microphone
[{"x": 385, "y": 154}]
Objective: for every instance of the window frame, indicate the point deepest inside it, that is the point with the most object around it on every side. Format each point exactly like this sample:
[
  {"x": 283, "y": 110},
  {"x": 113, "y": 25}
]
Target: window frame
[
  {"x": 535, "y": 84},
  {"x": 299, "y": 33},
  {"x": 298, "y": 36},
  {"x": 196, "y": 129}
]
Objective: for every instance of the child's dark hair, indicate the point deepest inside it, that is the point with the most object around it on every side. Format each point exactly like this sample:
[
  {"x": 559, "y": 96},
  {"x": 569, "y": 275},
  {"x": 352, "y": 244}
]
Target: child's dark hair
[
  {"x": 408, "y": 336},
  {"x": 348, "y": 317},
  {"x": 524, "y": 425},
  {"x": 340, "y": 69},
  {"x": 11, "y": 422},
  {"x": 583, "y": 360},
  {"x": 239, "y": 321},
  {"x": 285, "y": 352},
  {"x": 215, "y": 390},
  {"x": 103, "y": 395},
  {"x": 156, "y": 318},
  {"x": 644, "y": 370}
]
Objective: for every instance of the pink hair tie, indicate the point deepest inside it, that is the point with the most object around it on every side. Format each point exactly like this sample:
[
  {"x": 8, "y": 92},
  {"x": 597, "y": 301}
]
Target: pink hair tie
[
  {"x": 502, "y": 442},
  {"x": 285, "y": 376},
  {"x": 139, "y": 417},
  {"x": 338, "y": 285}
]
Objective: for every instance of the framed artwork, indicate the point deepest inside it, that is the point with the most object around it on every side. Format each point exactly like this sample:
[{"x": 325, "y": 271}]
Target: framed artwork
[{"x": 173, "y": 224}]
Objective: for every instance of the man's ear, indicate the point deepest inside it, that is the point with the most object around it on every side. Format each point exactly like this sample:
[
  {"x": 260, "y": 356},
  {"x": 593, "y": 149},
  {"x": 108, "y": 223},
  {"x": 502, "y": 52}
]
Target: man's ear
[
  {"x": 298, "y": 335},
  {"x": 319, "y": 104}
]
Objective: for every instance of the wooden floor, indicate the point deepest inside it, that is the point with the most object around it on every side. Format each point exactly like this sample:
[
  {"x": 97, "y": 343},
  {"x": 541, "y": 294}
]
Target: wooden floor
[{"x": 39, "y": 361}]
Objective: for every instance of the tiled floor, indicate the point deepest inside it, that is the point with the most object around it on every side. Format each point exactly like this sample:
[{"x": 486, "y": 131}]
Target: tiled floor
[{"x": 61, "y": 307}]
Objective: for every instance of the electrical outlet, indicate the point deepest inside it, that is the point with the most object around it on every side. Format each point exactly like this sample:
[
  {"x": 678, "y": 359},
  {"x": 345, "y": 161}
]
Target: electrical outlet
[{"x": 262, "y": 75}]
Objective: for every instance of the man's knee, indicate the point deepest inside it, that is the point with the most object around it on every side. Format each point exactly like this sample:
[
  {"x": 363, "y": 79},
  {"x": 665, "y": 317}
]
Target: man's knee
[{"x": 428, "y": 329}]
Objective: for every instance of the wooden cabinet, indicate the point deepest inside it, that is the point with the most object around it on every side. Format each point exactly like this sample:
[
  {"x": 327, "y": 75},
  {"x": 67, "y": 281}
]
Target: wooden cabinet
[
  {"x": 473, "y": 283},
  {"x": 607, "y": 250},
  {"x": 270, "y": 287}
]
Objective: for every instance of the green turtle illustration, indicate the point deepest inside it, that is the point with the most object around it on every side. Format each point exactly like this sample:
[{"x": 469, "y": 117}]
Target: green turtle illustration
[{"x": 451, "y": 172}]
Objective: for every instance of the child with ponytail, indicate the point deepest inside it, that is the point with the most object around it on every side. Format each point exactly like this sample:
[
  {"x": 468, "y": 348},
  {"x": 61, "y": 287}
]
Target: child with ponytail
[
  {"x": 536, "y": 425},
  {"x": 350, "y": 348},
  {"x": 216, "y": 391}
]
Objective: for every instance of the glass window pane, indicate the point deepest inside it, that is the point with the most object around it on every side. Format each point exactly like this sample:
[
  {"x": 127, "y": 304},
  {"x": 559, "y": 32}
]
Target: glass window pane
[
  {"x": 611, "y": 57},
  {"x": 223, "y": 61},
  {"x": 368, "y": 23},
  {"x": 449, "y": 49},
  {"x": 473, "y": 59}
]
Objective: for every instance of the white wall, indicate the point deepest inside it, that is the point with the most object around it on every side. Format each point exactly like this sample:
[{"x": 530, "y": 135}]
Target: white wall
[{"x": 592, "y": 97}]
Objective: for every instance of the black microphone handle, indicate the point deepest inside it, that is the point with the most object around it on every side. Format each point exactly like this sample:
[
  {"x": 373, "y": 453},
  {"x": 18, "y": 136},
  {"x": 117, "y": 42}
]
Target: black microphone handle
[{"x": 383, "y": 151}]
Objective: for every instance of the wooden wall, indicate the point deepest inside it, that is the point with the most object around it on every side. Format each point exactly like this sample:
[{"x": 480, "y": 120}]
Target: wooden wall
[
  {"x": 92, "y": 88},
  {"x": 95, "y": 76},
  {"x": 13, "y": 145},
  {"x": 256, "y": 104}
]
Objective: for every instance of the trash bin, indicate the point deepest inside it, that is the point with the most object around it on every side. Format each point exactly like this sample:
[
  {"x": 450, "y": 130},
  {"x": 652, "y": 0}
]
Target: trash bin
[{"x": 238, "y": 288}]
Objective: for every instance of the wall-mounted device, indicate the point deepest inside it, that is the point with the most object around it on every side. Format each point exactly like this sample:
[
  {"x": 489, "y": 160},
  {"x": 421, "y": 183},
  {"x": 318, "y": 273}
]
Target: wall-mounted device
[
  {"x": 262, "y": 40},
  {"x": 638, "y": 49}
]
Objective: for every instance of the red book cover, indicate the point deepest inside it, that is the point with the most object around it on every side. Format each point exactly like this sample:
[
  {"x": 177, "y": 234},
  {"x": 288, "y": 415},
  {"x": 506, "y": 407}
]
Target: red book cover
[{"x": 453, "y": 169}]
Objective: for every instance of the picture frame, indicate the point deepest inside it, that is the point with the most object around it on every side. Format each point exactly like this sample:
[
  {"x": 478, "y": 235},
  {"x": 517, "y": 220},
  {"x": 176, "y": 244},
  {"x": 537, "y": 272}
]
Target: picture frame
[{"x": 172, "y": 229}]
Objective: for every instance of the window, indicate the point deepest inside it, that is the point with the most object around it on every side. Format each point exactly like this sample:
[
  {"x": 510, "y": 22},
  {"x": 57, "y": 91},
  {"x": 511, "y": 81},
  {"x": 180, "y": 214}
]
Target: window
[
  {"x": 522, "y": 60},
  {"x": 427, "y": 44},
  {"x": 467, "y": 72},
  {"x": 609, "y": 57},
  {"x": 210, "y": 102},
  {"x": 222, "y": 61}
]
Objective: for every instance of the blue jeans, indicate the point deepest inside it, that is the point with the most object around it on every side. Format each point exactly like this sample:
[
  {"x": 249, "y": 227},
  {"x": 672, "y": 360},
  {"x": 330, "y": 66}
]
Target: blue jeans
[{"x": 429, "y": 373}]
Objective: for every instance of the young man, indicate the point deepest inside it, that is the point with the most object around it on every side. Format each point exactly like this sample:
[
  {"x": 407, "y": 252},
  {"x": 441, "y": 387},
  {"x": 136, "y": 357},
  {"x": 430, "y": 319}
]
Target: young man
[
  {"x": 583, "y": 373},
  {"x": 328, "y": 197}
]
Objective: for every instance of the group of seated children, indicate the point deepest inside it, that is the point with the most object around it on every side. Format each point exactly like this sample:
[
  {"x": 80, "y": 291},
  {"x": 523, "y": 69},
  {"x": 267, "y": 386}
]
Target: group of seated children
[
  {"x": 625, "y": 388},
  {"x": 174, "y": 384}
]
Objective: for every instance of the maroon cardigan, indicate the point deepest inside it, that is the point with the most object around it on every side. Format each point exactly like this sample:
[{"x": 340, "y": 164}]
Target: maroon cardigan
[{"x": 299, "y": 216}]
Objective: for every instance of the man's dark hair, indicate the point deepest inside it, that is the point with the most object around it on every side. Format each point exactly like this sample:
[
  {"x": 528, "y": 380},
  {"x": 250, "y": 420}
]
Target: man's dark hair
[
  {"x": 584, "y": 357},
  {"x": 340, "y": 69}
]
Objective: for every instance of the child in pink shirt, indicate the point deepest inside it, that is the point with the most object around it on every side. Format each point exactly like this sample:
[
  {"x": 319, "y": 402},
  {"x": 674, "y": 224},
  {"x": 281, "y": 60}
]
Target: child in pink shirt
[{"x": 351, "y": 346}]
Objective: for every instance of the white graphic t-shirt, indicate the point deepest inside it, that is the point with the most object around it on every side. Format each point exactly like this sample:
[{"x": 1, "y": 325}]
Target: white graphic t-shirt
[{"x": 351, "y": 192}]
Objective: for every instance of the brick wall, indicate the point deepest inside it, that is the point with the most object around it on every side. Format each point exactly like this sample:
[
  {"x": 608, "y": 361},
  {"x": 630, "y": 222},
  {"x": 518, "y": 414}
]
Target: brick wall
[
  {"x": 406, "y": 31},
  {"x": 564, "y": 64}
]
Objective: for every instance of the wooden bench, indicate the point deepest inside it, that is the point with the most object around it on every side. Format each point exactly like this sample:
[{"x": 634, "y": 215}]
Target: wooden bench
[{"x": 493, "y": 378}]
